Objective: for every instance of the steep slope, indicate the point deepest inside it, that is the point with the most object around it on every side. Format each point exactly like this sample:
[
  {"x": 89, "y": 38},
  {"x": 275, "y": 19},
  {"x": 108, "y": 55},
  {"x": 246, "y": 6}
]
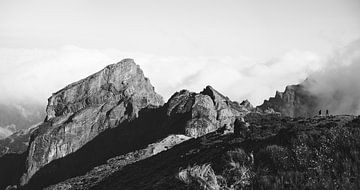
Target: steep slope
[
  {"x": 280, "y": 153},
  {"x": 295, "y": 101},
  {"x": 13, "y": 153},
  {"x": 83, "y": 110},
  {"x": 99, "y": 173}
]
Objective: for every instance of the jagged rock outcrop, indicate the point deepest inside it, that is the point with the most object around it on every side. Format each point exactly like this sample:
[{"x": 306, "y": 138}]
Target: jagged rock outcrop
[
  {"x": 295, "y": 101},
  {"x": 202, "y": 112},
  {"x": 247, "y": 105},
  {"x": 84, "y": 109}
]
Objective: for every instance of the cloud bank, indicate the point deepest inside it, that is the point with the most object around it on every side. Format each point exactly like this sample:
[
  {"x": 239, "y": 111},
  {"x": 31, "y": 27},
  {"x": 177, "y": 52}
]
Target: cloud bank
[
  {"x": 338, "y": 84},
  {"x": 33, "y": 74}
]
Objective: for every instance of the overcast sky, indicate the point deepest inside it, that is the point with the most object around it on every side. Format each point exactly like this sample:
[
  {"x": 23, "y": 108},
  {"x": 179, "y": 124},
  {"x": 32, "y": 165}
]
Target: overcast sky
[{"x": 244, "y": 48}]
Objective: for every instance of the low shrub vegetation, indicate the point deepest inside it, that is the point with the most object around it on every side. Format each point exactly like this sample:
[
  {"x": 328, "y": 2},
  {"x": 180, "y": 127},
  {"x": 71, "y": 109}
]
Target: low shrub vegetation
[{"x": 287, "y": 154}]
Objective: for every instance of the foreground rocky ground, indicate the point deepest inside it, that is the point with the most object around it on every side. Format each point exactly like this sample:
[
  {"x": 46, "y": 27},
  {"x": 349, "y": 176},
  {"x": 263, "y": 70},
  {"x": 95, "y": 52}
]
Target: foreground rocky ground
[{"x": 111, "y": 130}]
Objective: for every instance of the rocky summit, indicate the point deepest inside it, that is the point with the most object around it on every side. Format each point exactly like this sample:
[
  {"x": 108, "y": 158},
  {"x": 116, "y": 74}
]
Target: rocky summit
[
  {"x": 295, "y": 101},
  {"x": 200, "y": 113},
  {"x": 84, "y": 109},
  {"x": 111, "y": 130}
]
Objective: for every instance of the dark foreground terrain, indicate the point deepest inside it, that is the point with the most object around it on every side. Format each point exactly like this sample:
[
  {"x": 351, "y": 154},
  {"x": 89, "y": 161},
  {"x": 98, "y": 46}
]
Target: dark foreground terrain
[{"x": 278, "y": 153}]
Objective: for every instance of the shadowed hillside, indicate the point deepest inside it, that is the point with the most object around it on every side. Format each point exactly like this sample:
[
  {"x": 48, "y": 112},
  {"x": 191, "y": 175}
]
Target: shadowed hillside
[
  {"x": 125, "y": 138},
  {"x": 316, "y": 153}
]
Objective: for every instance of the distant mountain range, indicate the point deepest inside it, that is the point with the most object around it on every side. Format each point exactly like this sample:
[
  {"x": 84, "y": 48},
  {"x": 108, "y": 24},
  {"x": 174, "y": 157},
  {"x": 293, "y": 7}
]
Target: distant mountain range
[
  {"x": 18, "y": 116},
  {"x": 111, "y": 130}
]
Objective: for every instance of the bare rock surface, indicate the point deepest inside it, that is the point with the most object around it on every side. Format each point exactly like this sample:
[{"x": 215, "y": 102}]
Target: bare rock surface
[
  {"x": 202, "y": 112},
  {"x": 247, "y": 105},
  {"x": 82, "y": 110},
  {"x": 295, "y": 101}
]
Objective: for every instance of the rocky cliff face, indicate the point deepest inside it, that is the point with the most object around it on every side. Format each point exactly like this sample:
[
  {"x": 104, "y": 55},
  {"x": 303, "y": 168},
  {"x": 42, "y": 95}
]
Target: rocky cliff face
[
  {"x": 84, "y": 109},
  {"x": 196, "y": 114},
  {"x": 295, "y": 101}
]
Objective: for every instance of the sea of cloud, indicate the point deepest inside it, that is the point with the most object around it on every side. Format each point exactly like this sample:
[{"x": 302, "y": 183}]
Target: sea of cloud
[{"x": 34, "y": 74}]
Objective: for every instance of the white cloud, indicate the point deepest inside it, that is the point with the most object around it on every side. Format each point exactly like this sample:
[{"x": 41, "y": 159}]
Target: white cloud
[
  {"x": 4, "y": 132},
  {"x": 36, "y": 73},
  {"x": 337, "y": 86}
]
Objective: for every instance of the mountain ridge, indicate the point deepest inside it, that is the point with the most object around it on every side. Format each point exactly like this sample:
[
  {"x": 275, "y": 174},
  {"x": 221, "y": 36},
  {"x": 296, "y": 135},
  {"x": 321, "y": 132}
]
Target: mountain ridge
[
  {"x": 188, "y": 113},
  {"x": 295, "y": 101},
  {"x": 105, "y": 125},
  {"x": 81, "y": 110}
]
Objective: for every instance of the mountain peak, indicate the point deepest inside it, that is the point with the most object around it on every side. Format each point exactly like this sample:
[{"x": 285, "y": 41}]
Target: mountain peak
[
  {"x": 295, "y": 101},
  {"x": 246, "y": 104},
  {"x": 82, "y": 110},
  {"x": 197, "y": 114},
  {"x": 123, "y": 79}
]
